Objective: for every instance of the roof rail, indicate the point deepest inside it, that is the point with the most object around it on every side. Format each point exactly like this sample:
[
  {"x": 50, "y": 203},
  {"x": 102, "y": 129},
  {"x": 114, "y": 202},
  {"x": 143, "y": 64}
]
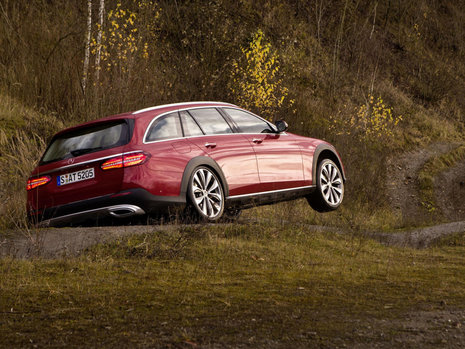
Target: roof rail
[{"x": 178, "y": 104}]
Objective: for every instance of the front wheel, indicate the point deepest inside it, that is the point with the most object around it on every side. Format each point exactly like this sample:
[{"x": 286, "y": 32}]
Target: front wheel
[
  {"x": 329, "y": 187},
  {"x": 205, "y": 194}
]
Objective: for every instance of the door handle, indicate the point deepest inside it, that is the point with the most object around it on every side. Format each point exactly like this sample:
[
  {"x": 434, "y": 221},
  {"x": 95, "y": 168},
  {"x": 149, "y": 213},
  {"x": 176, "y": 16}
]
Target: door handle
[
  {"x": 257, "y": 140},
  {"x": 210, "y": 145}
]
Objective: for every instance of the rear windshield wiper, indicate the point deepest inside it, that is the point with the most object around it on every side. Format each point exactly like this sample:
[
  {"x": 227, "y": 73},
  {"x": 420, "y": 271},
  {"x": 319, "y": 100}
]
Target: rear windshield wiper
[{"x": 82, "y": 151}]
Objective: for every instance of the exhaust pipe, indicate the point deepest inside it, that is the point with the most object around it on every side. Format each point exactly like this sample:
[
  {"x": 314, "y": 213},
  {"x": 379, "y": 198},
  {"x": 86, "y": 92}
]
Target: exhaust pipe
[{"x": 123, "y": 211}]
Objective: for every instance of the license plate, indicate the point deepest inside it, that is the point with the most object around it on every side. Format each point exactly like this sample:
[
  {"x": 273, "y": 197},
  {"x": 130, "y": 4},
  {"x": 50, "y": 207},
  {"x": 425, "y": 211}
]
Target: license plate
[{"x": 74, "y": 177}]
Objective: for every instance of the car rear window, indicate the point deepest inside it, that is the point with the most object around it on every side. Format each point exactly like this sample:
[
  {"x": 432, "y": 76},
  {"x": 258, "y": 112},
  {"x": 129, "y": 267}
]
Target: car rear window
[{"x": 87, "y": 140}]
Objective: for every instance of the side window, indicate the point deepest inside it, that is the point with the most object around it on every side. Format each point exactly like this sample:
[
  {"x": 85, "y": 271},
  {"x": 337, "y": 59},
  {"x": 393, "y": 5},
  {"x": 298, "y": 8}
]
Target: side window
[
  {"x": 189, "y": 126},
  {"x": 165, "y": 127},
  {"x": 247, "y": 122},
  {"x": 211, "y": 121}
]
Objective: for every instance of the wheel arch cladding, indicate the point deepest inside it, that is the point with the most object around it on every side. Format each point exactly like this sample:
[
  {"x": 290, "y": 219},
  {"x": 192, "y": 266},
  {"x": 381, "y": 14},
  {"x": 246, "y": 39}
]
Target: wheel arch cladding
[
  {"x": 326, "y": 151},
  {"x": 207, "y": 162}
]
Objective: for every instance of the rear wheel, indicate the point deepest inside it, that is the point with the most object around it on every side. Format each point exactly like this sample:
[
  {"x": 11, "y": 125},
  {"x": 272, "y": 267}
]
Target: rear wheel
[
  {"x": 205, "y": 194},
  {"x": 329, "y": 187}
]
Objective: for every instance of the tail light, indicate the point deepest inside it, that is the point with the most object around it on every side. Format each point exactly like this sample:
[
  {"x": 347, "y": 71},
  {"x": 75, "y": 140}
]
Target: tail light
[
  {"x": 125, "y": 160},
  {"x": 37, "y": 182},
  {"x": 134, "y": 159},
  {"x": 113, "y": 163}
]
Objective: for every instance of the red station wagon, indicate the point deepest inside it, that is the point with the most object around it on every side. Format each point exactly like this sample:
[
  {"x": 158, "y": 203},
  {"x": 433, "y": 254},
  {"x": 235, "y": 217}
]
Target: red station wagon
[{"x": 212, "y": 158}]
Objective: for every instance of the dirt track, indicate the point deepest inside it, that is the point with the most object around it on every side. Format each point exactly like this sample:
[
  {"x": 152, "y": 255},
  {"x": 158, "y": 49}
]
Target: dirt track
[
  {"x": 402, "y": 181},
  {"x": 62, "y": 242},
  {"x": 58, "y": 242}
]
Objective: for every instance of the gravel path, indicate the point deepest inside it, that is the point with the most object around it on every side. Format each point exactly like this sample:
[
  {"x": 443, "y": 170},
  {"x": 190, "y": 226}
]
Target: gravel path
[
  {"x": 61, "y": 242},
  {"x": 402, "y": 181},
  {"x": 419, "y": 238}
]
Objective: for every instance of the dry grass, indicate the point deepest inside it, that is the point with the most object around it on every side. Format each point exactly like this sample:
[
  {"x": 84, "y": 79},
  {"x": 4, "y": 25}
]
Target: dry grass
[
  {"x": 21, "y": 153},
  {"x": 23, "y": 138}
]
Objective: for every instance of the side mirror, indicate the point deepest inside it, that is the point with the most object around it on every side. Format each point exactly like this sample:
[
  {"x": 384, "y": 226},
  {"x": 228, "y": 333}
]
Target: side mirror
[{"x": 281, "y": 126}]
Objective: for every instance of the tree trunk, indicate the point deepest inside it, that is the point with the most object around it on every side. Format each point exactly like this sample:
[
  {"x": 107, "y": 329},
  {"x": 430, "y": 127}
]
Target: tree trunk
[
  {"x": 87, "y": 53},
  {"x": 101, "y": 12}
]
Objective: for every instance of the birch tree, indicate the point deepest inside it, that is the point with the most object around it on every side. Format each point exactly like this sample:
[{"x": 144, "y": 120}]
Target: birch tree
[
  {"x": 101, "y": 12},
  {"x": 87, "y": 52}
]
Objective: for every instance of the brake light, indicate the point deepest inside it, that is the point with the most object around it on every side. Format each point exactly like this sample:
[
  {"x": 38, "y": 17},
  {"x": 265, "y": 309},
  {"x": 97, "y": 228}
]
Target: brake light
[
  {"x": 113, "y": 163},
  {"x": 37, "y": 182},
  {"x": 126, "y": 160},
  {"x": 134, "y": 159}
]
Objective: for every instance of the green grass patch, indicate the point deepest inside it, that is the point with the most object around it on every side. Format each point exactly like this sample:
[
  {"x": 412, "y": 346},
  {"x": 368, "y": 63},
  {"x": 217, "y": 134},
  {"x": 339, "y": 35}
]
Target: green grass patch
[
  {"x": 352, "y": 215},
  {"x": 227, "y": 285}
]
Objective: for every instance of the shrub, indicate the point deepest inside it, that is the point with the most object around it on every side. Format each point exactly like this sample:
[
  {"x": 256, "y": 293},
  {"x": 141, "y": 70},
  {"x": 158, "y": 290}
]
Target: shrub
[
  {"x": 256, "y": 84},
  {"x": 371, "y": 121}
]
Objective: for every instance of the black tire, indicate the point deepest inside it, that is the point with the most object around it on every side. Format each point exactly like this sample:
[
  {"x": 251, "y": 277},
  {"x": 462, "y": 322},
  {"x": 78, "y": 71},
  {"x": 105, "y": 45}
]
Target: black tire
[
  {"x": 205, "y": 195},
  {"x": 329, "y": 191}
]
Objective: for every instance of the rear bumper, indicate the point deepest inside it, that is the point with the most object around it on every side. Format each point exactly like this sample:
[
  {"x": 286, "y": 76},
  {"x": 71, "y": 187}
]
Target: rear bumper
[{"x": 125, "y": 204}]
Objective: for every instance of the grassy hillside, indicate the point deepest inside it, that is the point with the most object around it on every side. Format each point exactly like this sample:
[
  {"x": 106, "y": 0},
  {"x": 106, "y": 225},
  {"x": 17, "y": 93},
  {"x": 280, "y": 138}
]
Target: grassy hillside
[{"x": 374, "y": 78}]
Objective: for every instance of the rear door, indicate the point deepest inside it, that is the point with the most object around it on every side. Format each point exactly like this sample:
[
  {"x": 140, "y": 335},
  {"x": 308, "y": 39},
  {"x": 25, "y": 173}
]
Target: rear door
[
  {"x": 169, "y": 155},
  {"x": 234, "y": 154}
]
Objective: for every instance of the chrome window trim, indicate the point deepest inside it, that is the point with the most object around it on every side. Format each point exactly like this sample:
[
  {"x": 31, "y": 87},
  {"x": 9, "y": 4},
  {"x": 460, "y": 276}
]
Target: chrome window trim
[
  {"x": 87, "y": 162},
  {"x": 217, "y": 134},
  {"x": 189, "y": 137},
  {"x": 269, "y": 192},
  {"x": 177, "y": 111},
  {"x": 209, "y": 135}
]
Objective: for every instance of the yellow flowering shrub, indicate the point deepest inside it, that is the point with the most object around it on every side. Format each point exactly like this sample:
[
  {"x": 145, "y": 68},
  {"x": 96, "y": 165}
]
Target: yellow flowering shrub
[
  {"x": 371, "y": 120},
  {"x": 255, "y": 78}
]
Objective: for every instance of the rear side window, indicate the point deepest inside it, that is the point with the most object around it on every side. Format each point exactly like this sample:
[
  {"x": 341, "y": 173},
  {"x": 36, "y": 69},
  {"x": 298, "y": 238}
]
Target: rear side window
[
  {"x": 189, "y": 126},
  {"x": 87, "y": 140},
  {"x": 165, "y": 127},
  {"x": 247, "y": 122},
  {"x": 211, "y": 121}
]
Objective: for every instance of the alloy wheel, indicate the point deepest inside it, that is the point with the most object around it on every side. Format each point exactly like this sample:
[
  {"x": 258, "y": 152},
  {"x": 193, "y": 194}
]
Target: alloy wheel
[
  {"x": 331, "y": 184},
  {"x": 207, "y": 194}
]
